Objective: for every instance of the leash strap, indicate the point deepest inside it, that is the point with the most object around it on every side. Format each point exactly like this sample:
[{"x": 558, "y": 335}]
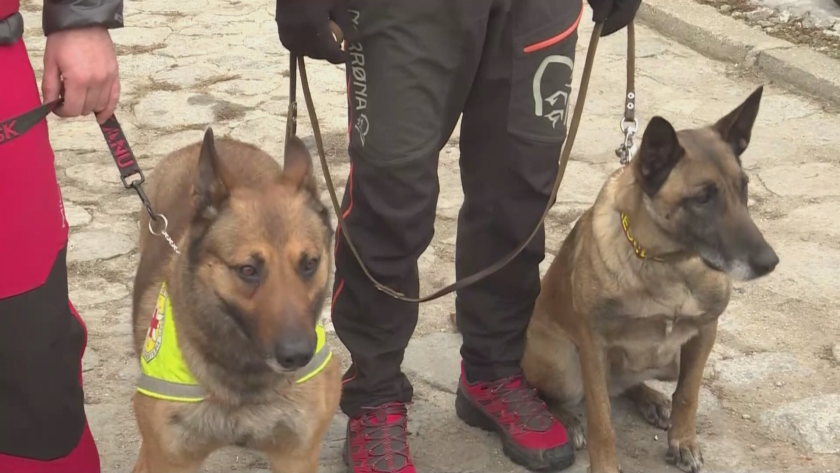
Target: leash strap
[
  {"x": 12, "y": 128},
  {"x": 630, "y": 97},
  {"x": 629, "y": 124},
  {"x": 298, "y": 62},
  {"x": 291, "y": 114},
  {"x": 131, "y": 175}
]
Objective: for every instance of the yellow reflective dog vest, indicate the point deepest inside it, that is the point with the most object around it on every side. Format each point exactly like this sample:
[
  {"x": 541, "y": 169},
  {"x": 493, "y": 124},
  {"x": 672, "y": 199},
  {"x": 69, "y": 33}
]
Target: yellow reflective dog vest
[{"x": 164, "y": 373}]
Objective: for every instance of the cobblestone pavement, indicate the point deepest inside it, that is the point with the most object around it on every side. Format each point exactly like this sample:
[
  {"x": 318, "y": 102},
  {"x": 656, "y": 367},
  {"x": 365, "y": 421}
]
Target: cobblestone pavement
[{"x": 772, "y": 387}]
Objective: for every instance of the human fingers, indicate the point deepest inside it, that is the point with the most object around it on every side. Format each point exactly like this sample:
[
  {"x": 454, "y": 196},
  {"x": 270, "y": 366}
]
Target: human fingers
[
  {"x": 92, "y": 98},
  {"x": 341, "y": 18},
  {"x": 51, "y": 81},
  {"x": 100, "y": 76},
  {"x": 111, "y": 104},
  {"x": 75, "y": 96},
  {"x": 329, "y": 48}
]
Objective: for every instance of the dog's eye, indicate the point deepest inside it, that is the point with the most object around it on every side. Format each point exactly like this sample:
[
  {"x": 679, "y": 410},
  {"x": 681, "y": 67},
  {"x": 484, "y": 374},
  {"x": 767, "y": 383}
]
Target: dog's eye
[
  {"x": 248, "y": 273},
  {"x": 705, "y": 195},
  {"x": 308, "y": 265}
]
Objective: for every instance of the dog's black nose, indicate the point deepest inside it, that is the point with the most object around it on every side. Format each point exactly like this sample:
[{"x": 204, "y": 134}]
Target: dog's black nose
[
  {"x": 294, "y": 353},
  {"x": 764, "y": 262}
]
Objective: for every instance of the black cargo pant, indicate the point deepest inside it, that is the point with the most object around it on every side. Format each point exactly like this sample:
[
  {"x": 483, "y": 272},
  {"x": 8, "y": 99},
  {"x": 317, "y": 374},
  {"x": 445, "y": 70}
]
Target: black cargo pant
[
  {"x": 42, "y": 415},
  {"x": 414, "y": 68}
]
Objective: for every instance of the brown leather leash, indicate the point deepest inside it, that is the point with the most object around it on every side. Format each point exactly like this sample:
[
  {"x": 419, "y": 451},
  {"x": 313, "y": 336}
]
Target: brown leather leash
[{"x": 629, "y": 125}]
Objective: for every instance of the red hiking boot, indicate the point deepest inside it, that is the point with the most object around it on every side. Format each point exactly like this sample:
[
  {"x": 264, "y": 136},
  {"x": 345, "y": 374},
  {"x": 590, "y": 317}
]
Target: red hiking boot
[
  {"x": 377, "y": 441},
  {"x": 530, "y": 435}
]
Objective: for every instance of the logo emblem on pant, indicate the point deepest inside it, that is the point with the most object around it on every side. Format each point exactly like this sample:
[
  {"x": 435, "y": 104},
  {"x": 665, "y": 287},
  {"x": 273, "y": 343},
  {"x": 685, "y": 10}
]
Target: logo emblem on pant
[{"x": 557, "y": 103}]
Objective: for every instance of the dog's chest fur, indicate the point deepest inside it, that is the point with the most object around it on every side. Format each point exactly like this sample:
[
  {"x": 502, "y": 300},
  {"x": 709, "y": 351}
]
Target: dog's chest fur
[
  {"x": 250, "y": 425},
  {"x": 643, "y": 330}
]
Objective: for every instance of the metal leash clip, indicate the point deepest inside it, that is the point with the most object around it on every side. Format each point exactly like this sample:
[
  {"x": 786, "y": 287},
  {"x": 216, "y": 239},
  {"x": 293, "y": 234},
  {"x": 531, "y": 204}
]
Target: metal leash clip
[
  {"x": 629, "y": 125},
  {"x": 132, "y": 176},
  {"x": 627, "y": 149}
]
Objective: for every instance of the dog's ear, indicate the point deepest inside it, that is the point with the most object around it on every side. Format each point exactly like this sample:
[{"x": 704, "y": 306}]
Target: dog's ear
[
  {"x": 659, "y": 153},
  {"x": 210, "y": 189},
  {"x": 736, "y": 127},
  {"x": 297, "y": 166}
]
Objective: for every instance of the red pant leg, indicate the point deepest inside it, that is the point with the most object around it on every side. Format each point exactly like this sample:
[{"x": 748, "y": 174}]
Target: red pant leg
[
  {"x": 33, "y": 227},
  {"x": 42, "y": 423},
  {"x": 83, "y": 459}
]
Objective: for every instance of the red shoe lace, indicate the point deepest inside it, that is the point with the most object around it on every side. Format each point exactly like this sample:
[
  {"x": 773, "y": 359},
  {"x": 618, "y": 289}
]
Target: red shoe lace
[
  {"x": 519, "y": 399},
  {"x": 379, "y": 439}
]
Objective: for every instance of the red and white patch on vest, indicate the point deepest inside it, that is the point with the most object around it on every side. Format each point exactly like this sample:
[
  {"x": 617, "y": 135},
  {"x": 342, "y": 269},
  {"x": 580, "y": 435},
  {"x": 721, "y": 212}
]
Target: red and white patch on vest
[{"x": 154, "y": 337}]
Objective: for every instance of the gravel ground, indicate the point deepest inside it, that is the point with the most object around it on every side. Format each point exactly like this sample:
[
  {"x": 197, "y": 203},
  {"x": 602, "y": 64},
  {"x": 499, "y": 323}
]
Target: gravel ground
[{"x": 797, "y": 25}]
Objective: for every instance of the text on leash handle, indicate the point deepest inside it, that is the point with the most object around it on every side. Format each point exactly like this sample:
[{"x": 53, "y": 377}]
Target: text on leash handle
[{"x": 131, "y": 175}]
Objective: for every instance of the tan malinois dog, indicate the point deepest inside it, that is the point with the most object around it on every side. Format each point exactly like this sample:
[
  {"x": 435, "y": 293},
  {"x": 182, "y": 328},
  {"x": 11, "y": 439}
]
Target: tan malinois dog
[
  {"x": 247, "y": 365},
  {"x": 639, "y": 283}
]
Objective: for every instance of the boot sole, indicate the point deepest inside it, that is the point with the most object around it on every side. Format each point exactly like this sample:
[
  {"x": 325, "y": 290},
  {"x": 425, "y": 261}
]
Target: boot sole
[{"x": 553, "y": 460}]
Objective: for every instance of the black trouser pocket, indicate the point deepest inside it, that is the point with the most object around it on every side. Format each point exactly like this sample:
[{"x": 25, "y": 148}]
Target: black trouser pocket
[
  {"x": 544, "y": 36},
  {"x": 41, "y": 401}
]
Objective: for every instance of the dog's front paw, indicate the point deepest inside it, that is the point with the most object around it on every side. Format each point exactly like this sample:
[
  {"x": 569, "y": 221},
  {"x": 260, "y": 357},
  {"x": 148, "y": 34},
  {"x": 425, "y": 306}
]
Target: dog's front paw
[
  {"x": 654, "y": 406},
  {"x": 685, "y": 454},
  {"x": 574, "y": 427},
  {"x": 657, "y": 411}
]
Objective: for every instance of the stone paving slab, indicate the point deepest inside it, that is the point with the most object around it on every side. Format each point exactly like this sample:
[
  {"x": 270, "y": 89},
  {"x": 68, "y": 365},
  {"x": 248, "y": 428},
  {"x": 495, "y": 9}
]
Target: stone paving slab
[{"x": 769, "y": 398}]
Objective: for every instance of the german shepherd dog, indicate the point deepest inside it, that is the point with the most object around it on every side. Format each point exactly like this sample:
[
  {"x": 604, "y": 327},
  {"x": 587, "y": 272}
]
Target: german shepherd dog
[
  {"x": 246, "y": 292},
  {"x": 639, "y": 283}
]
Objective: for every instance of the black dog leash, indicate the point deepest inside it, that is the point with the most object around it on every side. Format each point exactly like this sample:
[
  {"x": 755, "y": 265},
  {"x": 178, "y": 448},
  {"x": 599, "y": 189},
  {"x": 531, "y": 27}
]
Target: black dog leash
[{"x": 131, "y": 175}]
